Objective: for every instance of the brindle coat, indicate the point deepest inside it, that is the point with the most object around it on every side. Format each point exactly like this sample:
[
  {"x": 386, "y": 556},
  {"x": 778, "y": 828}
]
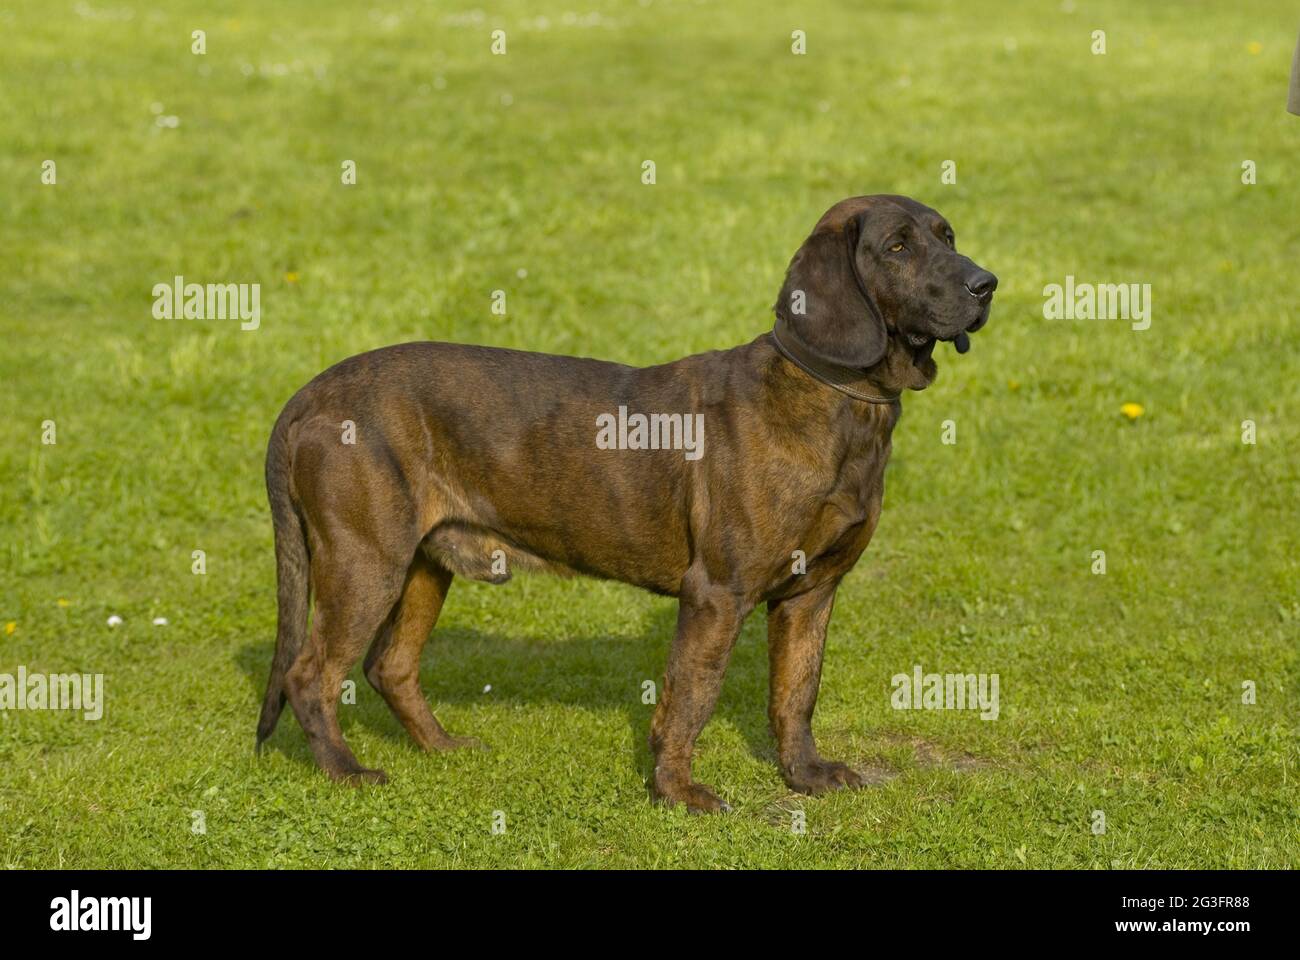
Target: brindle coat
[{"x": 461, "y": 451}]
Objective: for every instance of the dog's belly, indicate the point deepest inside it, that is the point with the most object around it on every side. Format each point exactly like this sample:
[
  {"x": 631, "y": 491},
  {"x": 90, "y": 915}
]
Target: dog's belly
[
  {"x": 604, "y": 532},
  {"x": 478, "y": 553}
]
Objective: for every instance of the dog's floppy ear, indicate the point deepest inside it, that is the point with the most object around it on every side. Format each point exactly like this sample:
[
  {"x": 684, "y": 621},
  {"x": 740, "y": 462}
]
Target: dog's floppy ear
[{"x": 824, "y": 303}]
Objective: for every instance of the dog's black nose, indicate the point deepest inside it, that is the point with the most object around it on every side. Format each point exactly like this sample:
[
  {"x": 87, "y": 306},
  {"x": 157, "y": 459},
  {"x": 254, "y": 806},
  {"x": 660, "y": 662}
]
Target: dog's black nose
[{"x": 981, "y": 283}]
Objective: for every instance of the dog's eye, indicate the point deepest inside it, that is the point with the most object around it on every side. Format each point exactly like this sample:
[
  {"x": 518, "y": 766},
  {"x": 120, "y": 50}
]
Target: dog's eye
[{"x": 898, "y": 247}]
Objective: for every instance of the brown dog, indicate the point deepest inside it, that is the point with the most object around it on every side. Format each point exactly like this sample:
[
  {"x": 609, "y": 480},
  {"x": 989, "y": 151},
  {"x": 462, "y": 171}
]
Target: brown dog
[{"x": 396, "y": 469}]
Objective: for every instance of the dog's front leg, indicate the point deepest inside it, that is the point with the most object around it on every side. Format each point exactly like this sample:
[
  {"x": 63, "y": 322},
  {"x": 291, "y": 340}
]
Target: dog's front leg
[
  {"x": 796, "y": 637},
  {"x": 708, "y": 622}
]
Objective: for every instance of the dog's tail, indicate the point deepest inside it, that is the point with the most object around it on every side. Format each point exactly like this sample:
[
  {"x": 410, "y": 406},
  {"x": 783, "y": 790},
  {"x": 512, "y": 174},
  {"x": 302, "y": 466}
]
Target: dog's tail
[{"x": 292, "y": 573}]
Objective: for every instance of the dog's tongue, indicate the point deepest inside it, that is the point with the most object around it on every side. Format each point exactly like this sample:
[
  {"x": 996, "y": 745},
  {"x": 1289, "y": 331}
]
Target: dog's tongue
[{"x": 961, "y": 342}]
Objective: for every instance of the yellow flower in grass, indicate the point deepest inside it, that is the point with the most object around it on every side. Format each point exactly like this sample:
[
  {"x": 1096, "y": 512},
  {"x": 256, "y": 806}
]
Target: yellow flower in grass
[
  {"x": 1254, "y": 47},
  {"x": 291, "y": 277},
  {"x": 10, "y": 627},
  {"x": 1132, "y": 410},
  {"x": 63, "y": 603}
]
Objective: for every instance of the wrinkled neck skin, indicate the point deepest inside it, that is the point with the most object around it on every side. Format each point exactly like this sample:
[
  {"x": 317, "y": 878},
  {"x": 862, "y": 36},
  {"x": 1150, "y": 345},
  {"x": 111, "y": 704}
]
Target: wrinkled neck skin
[{"x": 904, "y": 368}]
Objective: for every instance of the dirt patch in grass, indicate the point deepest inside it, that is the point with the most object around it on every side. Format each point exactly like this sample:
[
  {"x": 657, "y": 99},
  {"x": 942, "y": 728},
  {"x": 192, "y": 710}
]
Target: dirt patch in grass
[{"x": 930, "y": 754}]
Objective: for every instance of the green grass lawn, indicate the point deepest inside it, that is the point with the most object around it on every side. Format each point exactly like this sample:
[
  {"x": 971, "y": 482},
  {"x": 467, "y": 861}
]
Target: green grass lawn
[{"x": 1120, "y": 693}]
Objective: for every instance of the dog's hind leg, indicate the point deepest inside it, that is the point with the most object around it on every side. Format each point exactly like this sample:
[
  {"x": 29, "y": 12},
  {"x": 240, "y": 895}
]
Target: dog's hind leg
[
  {"x": 393, "y": 663},
  {"x": 355, "y": 591}
]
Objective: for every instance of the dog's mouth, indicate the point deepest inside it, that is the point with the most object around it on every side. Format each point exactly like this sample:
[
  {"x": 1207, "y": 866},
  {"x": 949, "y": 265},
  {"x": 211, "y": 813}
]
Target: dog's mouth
[{"x": 923, "y": 343}]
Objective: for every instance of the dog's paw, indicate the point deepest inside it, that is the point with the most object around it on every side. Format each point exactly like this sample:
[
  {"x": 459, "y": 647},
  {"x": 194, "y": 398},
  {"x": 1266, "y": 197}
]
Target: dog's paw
[
  {"x": 695, "y": 797},
  {"x": 820, "y": 776},
  {"x": 458, "y": 743},
  {"x": 361, "y": 776}
]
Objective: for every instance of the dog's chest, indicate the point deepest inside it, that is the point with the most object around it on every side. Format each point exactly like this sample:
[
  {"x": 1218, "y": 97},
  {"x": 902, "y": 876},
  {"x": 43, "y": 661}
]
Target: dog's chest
[{"x": 842, "y": 523}]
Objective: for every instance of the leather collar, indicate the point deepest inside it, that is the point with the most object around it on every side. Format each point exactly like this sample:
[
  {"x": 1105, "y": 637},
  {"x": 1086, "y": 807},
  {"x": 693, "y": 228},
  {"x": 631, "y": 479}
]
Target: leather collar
[{"x": 847, "y": 380}]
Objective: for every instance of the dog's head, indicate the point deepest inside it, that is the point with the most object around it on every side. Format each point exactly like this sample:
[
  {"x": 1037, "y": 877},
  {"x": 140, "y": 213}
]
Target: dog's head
[{"x": 880, "y": 279}]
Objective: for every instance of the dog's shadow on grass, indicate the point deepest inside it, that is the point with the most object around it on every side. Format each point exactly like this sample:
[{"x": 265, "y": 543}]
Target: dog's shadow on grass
[{"x": 600, "y": 672}]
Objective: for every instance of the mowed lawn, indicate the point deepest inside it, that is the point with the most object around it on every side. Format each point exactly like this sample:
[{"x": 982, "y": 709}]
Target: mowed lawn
[{"x": 1120, "y": 693}]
